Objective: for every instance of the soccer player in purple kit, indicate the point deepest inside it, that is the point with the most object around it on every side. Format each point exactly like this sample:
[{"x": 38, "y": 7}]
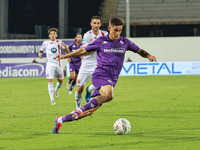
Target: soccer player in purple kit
[
  {"x": 75, "y": 63},
  {"x": 110, "y": 56}
]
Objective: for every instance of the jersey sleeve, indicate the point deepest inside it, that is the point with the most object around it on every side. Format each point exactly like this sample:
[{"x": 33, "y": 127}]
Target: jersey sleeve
[
  {"x": 132, "y": 47},
  {"x": 106, "y": 33},
  {"x": 86, "y": 40},
  {"x": 93, "y": 46},
  {"x": 43, "y": 48},
  {"x": 62, "y": 46}
]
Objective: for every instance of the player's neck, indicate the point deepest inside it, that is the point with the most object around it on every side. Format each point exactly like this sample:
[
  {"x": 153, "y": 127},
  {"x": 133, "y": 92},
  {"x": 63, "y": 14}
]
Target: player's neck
[
  {"x": 95, "y": 32},
  {"x": 78, "y": 43},
  {"x": 52, "y": 40},
  {"x": 112, "y": 38}
]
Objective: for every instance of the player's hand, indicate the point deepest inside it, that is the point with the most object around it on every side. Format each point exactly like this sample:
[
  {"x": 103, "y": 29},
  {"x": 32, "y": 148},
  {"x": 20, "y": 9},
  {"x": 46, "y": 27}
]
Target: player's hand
[
  {"x": 40, "y": 55},
  {"x": 69, "y": 60},
  {"x": 152, "y": 58},
  {"x": 59, "y": 57}
]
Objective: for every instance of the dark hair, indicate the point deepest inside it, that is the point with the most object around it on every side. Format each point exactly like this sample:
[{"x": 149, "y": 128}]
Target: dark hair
[
  {"x": 53, "y": 29},
  {"x": 95, "y": 17},
  {"x": 116, "y": 22},
  {"x": 78, "y": 34}
]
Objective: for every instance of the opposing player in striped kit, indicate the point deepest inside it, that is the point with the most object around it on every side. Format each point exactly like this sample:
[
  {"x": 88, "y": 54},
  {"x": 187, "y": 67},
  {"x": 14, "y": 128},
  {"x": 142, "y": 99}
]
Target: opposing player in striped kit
[
  {"x": 53, "y": 47},
  {"x": 89, "y": 62}
]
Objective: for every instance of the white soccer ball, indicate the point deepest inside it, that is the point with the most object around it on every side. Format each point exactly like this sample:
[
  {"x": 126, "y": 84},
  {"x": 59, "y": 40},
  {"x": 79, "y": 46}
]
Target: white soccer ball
[{"x": 122, "y": 126}]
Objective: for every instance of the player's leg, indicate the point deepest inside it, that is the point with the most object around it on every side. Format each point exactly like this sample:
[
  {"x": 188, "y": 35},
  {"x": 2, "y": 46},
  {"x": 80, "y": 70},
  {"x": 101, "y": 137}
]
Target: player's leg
[
  {"x": 60, "y": 77},
  {"x": 73, "y": 77},
  {"x": 69, "y": 83},
  {"x": 87, "y": 109},
  {"x": 50, "y": 71},
  {"x": 79, "y": 96},
  {"x": 89, "y": 90},
  {"x": 82, "y": 78},
  {"x": 70, "y": 78}
]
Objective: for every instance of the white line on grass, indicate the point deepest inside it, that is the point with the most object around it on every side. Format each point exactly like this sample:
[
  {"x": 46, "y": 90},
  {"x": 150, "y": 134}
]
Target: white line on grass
[{"x": 64, "y": 132}]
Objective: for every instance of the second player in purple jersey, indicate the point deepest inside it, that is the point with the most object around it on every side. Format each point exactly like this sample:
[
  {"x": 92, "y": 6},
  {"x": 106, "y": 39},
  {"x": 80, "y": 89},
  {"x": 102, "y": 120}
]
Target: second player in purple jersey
[{"x": 75, "y": 63}]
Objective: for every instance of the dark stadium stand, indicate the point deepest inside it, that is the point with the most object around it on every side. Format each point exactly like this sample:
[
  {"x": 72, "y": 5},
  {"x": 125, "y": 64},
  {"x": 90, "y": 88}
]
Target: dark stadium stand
[{"x": 159, "y": 17}]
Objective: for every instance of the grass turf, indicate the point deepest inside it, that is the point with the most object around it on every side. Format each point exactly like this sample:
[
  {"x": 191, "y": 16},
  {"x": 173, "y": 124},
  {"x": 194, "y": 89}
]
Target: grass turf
[{"x": 163, "y": 111}]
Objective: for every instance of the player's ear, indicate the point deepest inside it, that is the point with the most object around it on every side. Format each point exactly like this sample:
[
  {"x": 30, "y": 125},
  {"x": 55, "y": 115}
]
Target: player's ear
[{"x": 108, "y": 28}]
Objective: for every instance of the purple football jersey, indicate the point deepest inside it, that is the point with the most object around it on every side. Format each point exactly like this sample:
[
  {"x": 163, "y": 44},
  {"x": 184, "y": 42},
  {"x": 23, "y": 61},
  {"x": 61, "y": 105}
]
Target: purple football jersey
[
  {"x": 110, "y": 54},
  {"x": 73, "y": 47}
]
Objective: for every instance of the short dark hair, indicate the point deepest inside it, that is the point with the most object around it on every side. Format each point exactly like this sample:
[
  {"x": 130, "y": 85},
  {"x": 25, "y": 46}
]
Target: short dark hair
[
  {"x": 95, "y": 17},
  {"x": 116, "y": 22},
  {"x": 78, "y": 34},
  {"x": 53, "y": 29}
]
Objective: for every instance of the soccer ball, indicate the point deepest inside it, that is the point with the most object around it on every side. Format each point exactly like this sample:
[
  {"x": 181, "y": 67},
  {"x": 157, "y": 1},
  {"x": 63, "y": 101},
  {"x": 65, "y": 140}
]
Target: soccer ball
[{"x": 122, "y": 126}]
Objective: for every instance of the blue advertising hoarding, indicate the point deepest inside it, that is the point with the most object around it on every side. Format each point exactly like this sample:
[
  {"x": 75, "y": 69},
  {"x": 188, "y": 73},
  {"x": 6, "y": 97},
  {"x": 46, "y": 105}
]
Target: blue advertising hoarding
[
  {"x": 158, "y": 68},
  {"x": 12, "y": 70}
]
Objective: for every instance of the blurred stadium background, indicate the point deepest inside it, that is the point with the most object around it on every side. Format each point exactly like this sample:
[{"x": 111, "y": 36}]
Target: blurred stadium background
[
  {"x": 169, "y": 29},
  {"x": 29, "y": 19}
]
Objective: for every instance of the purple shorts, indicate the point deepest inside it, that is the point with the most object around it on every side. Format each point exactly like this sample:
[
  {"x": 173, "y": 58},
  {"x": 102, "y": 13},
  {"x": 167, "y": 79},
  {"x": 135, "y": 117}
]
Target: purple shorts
[
  {"x": 74, "y": 67},
  {"x": 100, "y": 78}
]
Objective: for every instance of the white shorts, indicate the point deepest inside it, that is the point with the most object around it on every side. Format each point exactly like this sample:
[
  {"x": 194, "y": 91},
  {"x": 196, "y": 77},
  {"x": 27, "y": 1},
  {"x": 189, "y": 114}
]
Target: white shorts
[
  {"x": 84, "y": 74},
  {"x": 53, "y": 70}
]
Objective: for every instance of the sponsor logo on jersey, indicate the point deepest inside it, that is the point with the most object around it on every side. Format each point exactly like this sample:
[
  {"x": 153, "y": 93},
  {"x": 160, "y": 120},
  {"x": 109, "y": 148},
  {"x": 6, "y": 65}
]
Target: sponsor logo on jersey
[
  {"x": 92, "y": 105},
  {"x": 104, "y": 42},
  {"x": 122, "y": 42},
  {"x": 109, "y": 81},
  {"x": 121, "y": 50},
  {"x": 53, "y": 50}
]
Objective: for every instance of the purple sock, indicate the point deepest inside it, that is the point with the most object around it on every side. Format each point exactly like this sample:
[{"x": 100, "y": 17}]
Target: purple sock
[
  {"x": 91, "y": 104},
  {"x": 67, "y": 118},
  {"x": 70, "y": 80},
  {"x": 72, "y": 86}
]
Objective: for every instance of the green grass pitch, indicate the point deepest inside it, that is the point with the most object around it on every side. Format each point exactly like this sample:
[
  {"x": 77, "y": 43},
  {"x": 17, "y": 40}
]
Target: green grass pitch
[{"x": 164, "y": 112}]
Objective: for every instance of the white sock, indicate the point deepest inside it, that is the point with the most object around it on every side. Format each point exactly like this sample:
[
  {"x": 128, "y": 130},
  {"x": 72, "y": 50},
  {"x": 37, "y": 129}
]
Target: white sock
[
  {"x": 78, "y": 99},
  {"x": 58, "y": 85},
  {"x": 60, "y": 120},
  {"x": 50, "y": 89},
  {"x": 91, "y": 88}
]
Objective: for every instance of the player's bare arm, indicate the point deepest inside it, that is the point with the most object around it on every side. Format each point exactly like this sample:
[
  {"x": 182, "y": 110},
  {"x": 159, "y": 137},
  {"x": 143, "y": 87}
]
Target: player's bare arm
[
  {"x": 66, "y": 48},
  {"x": 145, "y": 54},
  {"x": 40, "y": 54},
  {"x": 81, "y": 51},
  {"x": 89, "y": 53}
]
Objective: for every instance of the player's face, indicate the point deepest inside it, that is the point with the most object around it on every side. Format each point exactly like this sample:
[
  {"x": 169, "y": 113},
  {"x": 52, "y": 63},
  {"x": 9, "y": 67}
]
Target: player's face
[
  {"x": 95, "y": 24},
  {"x": 78, "y": 38},
  {"x": 115, "y": 32},
  {"x": 53, "y": 35}
]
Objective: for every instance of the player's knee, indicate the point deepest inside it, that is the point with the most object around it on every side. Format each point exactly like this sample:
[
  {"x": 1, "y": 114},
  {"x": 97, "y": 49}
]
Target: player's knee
[
  {"x": 109, "y": 97},
  {"x": 61, "y": 82},
  {"x": 79, "y": 89},
  {"x": 72, "y": 77}
]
